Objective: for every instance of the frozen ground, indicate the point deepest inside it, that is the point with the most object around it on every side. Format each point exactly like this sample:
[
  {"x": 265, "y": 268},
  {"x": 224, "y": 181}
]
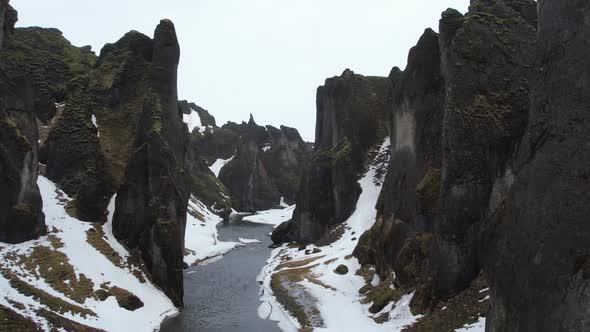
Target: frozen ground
[
  {"x": 69, "y": 236},
  {"x": 273, "y": 217},
  {"x": 336, "y": 296},
  {"x": 200, "y": 239}
]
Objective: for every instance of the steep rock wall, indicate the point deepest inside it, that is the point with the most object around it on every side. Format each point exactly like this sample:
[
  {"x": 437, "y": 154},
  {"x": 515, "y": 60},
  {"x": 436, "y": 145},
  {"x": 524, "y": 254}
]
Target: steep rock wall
[
  {"x": 408, "y": 201},
  {"x": 537, "y": 257},
  {"x": 350, "y": 121},
  {"x": 151, "y": 204},
  {"x": 21, "y": 216},
  {"x": 486, "y": 57}
]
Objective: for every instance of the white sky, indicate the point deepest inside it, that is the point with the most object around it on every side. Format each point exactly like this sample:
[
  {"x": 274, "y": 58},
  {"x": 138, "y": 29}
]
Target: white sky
[{"x": 264, "y": 57}]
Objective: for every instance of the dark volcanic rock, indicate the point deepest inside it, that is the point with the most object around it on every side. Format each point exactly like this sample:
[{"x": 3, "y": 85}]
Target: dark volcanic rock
[
  {"x": 8, "y": 18},
  {"x": 408, "y": 201},
  {"x": 151, "y": 205},
  {"x": 486, "y": 58},
  {"x": 350, "y": 121},
  {"x": 99, "y": 122},
  {"x": 538, "y": 257},
  {"x": 246, "y": 176},
  {"x": 21, "y": 216},
  {"x": 267, "y": 165},
  {"x": 47, "y": 61}
]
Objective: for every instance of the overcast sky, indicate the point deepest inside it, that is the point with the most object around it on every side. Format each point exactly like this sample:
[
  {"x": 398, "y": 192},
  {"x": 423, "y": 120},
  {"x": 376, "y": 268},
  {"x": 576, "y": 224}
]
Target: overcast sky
[{"x": 264, "y": 57}]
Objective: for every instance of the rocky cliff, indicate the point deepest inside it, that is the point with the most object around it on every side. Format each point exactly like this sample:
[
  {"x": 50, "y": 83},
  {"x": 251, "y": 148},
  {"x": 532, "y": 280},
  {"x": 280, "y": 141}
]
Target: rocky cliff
[
  {"x": 350, "y": 122},
  {"x": 267, "y": 165},
  {"x": 408, "y": 202},
  {"x": 151, "y": 206},
  {"x": 537, "y": 240},
  {"x": 21, "y": 216},
  {"x": 463, "y": 101}
]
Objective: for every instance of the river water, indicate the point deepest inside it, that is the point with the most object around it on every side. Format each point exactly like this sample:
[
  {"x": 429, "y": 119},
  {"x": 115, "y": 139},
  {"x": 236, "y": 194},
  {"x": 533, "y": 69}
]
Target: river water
[{"x": 224, "y": 295}]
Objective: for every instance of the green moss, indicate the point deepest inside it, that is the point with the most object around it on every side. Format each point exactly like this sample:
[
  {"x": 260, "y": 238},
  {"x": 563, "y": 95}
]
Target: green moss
[
  {"x": 124, "y": 298},
  {"x": 55, "y": 269},
  {"x": 341, "y": 269},
  {"x": 95, "y": 236},
  {"x": 381, "y": 295},
  {"x": 340, "y": 153},
  {"x": 10, "y": 320},
  {"x": 428, "y": 191},
  {"x": 53, "y": 303}
]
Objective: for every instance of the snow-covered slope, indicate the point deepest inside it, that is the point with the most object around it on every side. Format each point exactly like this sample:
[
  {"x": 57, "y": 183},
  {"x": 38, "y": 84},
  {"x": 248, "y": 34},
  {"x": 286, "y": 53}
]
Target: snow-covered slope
[
  {"x": 303, "y": 285},
  {"x": 273, "y": 217},
  {"x": 200, "y": 239},
  {"x": 80, "y": 272}
]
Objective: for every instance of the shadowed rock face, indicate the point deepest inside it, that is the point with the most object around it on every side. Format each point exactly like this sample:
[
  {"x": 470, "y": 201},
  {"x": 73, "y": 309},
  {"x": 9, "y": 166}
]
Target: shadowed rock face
[
  {"x": 486, "y": 58},
  {"x": 409, "y": 197},
  {"x": 267, "y": 165},
  {"x": 538, "y": 243},
  {"x": 151, "y": 205},
  {"x": 21, "y": 216},
  {"x": 8, "y": 18},
  {"x": 350, "y": 121}
]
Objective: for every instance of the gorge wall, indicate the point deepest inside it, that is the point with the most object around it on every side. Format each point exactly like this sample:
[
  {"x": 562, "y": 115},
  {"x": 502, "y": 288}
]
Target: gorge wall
[
  {"x": 487, "y": 179},
  {"x": 537, "y": 242},
  {"x": 21, "y": 216},
  {"x": 350, "y": 122}
]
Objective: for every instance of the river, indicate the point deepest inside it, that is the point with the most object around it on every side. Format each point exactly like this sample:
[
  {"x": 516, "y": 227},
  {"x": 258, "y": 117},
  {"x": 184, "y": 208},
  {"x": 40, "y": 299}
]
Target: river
[{"x": 224, "y": 295}]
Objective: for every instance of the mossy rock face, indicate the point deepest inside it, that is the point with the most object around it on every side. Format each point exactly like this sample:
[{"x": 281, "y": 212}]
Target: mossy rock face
[
  {"x": 341, "y": 269},
  {"x": 351, "y": 114},
  {"x": 485, "y": 117},
  {"x": 428, "y": 192},
  {"x": 151, "y": 205},
  {"x": 21, "y": 216},
  {"x": 268, "y": 164},
  {"x": 36, "y": 64}
]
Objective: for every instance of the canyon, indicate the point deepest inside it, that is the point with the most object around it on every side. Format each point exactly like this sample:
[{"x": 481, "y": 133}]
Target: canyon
[{"x": 451, "y": 195}]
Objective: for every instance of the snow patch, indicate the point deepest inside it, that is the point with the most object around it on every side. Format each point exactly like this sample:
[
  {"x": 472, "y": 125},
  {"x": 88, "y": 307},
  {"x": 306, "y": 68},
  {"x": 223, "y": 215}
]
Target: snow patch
[
  {"x": 86, "y": 260},
  {"x": 95, "y": 125},
  {"x": 218, "y": 165},
  {"x": 479, "y": 326},
  {"x": 341, "y": 294},
  {"x": 248, "y": 241},
  {"x": 200, "y": 239},
  {"x": 273, "y": 217}
]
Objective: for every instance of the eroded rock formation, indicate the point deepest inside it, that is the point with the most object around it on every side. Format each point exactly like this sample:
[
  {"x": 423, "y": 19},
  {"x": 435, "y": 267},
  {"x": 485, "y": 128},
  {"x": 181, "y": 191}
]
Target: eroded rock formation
[
  {"x": 21, "y": 216},
  {"x": 267, "y": 165},
  {"x": 151, "y": 205},
  {"x": 350, "y": 121},
  {"x": 408, "y": 201},
  {"x": 537, "y": 241}
]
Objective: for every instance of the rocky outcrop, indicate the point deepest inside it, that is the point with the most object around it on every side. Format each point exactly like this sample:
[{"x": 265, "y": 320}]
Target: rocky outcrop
[
  {"x": 151, "y": 204},
  {"x": 267, "y": 165},
  {"x": 537, "y": 241},
  {"x": 408, "y": 202},
  {"x": 350, "y": 121},
  {"x": 21, "y": 216}
]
